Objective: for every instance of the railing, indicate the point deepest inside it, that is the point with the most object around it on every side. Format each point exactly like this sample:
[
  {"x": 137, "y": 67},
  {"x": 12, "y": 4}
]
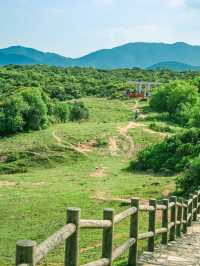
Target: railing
[{"x": 177, "y": 215}]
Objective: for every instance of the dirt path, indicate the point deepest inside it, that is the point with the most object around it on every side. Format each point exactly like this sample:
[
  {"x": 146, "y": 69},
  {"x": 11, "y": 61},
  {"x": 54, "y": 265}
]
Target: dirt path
[
  {"x": 123, "y": 131},
  {"x": 112, "y": 146},
  {"x": 69, "y": 146}
]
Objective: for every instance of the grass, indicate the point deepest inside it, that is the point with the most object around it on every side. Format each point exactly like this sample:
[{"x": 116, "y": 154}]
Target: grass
[{"x": 34, "y": 202}]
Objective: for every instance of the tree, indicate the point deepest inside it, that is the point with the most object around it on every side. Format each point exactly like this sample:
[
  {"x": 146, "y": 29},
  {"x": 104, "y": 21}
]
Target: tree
[
  {"x": 177, "y": 98},
  {"x": 61, "y": 111},
  {"x": 78, "y": 112},
  {"x": 190, "y": 180},
  {"x": 11, "y": 115},
  {"x": 35, "y": 116}
]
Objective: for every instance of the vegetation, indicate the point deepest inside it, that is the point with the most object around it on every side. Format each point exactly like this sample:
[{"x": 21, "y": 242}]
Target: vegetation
[
  {"x": 72, "y": 83},
  {"x": 173, "y": 154},
  {"x": 70, "y": 163},
  {"x": 180, "y": 100}
]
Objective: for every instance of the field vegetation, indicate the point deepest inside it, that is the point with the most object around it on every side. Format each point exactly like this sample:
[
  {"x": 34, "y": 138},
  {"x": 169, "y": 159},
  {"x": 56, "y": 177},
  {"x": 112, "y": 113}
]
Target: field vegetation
[{"x": 78, "y": 148}]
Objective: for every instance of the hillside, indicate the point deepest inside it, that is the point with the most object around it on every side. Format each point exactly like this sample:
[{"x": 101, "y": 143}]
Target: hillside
[
  {"x": 74, "y": 164},
  {"x": 141, "y": 55},
  {"x": 175, "y": 66},
  {"x": 23, "y": 55}
]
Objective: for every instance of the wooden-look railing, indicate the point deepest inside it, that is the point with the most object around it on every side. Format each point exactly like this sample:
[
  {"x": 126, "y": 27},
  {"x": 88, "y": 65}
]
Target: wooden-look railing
[{"x": 177, "y": 215}]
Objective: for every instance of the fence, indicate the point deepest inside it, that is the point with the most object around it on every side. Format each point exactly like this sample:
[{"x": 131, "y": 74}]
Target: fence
[{"x": 177, "y": 215}]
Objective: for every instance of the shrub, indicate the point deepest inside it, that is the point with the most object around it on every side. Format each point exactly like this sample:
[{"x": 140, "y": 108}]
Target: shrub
[
  {"x": 161, "y": 128},
  {"x": 35, "y": 116},
  {"x": 61, "y": 111},
  {"x": 173, "y": 154},
  {"x": 11, "y": 115},
  {"x": 190, "y": 180},
  {"x": 176, "y": 98},
  {"x": 26, "y": 111},
  {"x": 78, "y": 112}
]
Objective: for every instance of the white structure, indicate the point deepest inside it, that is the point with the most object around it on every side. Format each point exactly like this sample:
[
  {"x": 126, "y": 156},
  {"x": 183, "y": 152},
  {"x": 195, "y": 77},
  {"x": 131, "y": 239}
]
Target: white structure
[{"x": 145, "y": 87}]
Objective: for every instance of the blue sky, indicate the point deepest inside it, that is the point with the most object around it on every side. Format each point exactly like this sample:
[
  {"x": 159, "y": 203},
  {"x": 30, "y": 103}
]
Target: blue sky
[{"x": 77, "y": 27}]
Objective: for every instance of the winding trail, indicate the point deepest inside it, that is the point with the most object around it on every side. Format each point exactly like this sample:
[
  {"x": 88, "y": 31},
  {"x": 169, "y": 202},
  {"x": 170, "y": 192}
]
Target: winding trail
[{"x": 123, "y": 131}]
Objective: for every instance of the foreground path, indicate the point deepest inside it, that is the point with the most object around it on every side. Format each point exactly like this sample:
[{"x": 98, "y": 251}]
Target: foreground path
[{"x": 185, "y": 251}]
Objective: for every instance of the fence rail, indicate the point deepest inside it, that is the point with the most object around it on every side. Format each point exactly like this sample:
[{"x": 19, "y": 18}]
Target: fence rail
[{"x": 177, "y": 215}]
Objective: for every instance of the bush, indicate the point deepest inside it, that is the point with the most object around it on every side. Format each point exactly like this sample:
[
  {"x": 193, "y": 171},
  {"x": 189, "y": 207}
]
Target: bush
[
  {"x": 190, "y": 180},
  {"x": 173, "y": 154},
  {"x": 11, "y": 115},
  {"x": 176, "y": 98},
  {"x": 161, "y": 128},
  {"x": 61, "y": 111},
  {"x": 35, "y": 116},
  {"x": 26, "y": 111},
  {"x": 78, "y": 112}
]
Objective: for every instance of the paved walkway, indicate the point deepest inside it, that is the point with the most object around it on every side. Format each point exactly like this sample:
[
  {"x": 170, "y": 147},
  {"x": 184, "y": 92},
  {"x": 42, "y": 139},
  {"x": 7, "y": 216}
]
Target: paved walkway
[{"x": 185, "y": 251}]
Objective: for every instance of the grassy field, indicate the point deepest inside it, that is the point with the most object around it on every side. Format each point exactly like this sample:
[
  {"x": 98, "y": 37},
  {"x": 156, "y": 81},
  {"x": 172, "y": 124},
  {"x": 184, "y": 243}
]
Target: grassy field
[{"x": 74, "y": 164}]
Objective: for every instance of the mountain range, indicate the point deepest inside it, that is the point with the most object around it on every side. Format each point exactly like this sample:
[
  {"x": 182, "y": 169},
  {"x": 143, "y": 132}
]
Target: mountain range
[{"x": 177, "y": 56}]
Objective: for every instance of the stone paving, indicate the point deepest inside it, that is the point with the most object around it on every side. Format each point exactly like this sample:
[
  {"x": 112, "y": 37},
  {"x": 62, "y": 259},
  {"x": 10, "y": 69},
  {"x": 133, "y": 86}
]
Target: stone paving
[{"x": 185, "y": 251}]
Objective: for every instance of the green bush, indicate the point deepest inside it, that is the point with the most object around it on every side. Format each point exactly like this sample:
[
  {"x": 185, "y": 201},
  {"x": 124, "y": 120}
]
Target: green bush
[
  {"x": 78, "y": 111},
  {"x": 35, "y": 116},
  {"x": 190, "y": 180},
  {"x": 161, "y": 128},
  {"x": 177, "y": 98},
  {"x": 61, "y": 111},
  {"x": 25, "y": 111},
  {"x": 11, "y": 115},
  {"x": 173, "y": 154}
]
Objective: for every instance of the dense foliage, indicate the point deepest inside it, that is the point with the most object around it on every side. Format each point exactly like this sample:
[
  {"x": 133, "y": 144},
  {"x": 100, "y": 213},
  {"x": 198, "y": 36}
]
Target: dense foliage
[
  {"x": 25, "y": 111},
  {"x": 34, "y": 96},
  {"x": 190, "y": 180},
  {"x": 31, "y": 109},
  {"x": 178, "y": 153},
  {"x": 171, "y": 155},
  {"x": 180, "y": 100},
  {"x": 72, "y": 83}
]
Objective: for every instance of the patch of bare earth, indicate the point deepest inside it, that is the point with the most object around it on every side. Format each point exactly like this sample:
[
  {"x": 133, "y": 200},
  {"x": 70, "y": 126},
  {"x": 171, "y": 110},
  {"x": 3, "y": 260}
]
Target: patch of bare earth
[
  {"x": 7, "y": 184},
  {"x": 129, "y": 141},
  {"x": 87, "y": 147},
  {"x": 168, "y": 189},
  {"x": 113, "y": 148},
  {"x": 100, "y": 172},
  {"x": 82, "y": 148}
]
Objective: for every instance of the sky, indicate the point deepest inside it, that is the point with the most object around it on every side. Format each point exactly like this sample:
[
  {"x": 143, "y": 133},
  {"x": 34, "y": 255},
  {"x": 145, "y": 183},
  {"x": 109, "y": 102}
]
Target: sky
[{"x": 76, "y": 27}]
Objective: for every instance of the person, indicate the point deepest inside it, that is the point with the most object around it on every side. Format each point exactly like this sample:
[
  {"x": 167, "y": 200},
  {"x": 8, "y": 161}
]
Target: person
[{"x": 136, "y": 114}]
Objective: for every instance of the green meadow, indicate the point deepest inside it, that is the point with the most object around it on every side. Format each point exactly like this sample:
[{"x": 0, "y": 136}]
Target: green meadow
[{"x": 76, "y": 164}]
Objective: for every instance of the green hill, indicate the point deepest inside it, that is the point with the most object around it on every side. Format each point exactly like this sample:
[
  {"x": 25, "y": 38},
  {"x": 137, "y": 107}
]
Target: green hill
[
  {"x": 175, "y": 66},
  {"x": 130, "y": 55},
  {"x": 23, "y": 55}
]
